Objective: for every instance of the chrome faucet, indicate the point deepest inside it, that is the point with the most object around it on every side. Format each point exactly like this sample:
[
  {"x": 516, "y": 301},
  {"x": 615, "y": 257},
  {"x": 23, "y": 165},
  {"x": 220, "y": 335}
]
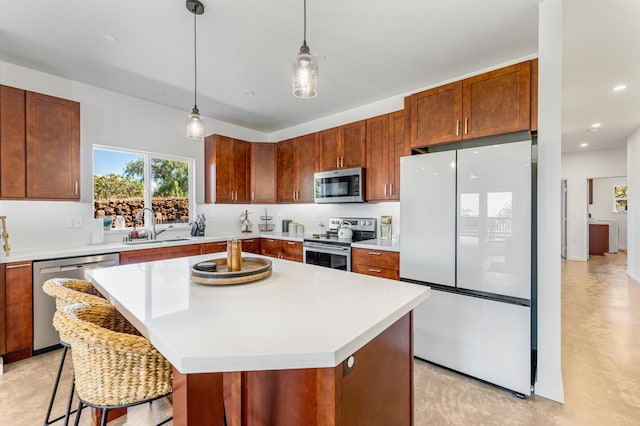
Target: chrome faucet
[{"x": 154, "y": 234}]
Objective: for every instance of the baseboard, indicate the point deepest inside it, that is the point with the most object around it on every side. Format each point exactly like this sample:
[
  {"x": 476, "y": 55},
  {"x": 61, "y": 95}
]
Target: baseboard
[
  {"x": 578, "y": 259},
  {"x": 633, "y": 276}
]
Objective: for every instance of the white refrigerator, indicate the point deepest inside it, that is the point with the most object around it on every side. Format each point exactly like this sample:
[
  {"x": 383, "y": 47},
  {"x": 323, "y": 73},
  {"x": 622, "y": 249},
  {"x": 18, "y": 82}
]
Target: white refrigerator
[{"x": 466, "y": 220}]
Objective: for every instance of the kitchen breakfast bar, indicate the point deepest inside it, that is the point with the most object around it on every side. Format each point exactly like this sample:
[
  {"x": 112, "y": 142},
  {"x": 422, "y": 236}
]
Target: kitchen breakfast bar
[{"x": 307, "y": 345}]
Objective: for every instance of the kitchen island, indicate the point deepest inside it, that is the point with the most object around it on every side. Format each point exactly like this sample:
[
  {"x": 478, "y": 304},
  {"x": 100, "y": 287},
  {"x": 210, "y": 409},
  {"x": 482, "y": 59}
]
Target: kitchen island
[{"x": 308, "y": 345}]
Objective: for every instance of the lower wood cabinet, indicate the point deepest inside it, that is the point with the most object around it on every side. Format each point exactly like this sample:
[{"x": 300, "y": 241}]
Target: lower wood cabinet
[
  {"x": 252, "y": 245},
  {"x": 161, "y": 253},
  {"x": 217, "y": 247},
  {"x": 282, "y": 249},
  {"x": 379, "y": 263},
  {"x": 18, "y": 333}
]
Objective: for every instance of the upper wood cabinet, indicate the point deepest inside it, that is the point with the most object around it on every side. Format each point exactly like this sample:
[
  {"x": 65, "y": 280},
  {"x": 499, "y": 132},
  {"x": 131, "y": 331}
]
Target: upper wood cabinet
[
  {"x": 39, "y": 146},
  {"x": 227, "y": 172},
  {"x": 263, "y": 173},
  {"x": 492, "y": 103},
  {"x": 385, "y": 145},
  {"x": 297, "y": 159},
  {"x": 343, "y": 147}
]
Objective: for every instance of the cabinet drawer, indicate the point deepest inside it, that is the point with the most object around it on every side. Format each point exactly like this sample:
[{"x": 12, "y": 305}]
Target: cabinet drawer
[
  {"x": 292, "y": 247},
  {"x": 148, "y": 255},
  {"x": 376, "y": 258},
  {"x": 291, "y": 256},
  {"x": 216, "y": 247},
  {"x": 251, "y": 245},
  {"x": 393, "y": 274},
  {"x": 270, "y": 247}
]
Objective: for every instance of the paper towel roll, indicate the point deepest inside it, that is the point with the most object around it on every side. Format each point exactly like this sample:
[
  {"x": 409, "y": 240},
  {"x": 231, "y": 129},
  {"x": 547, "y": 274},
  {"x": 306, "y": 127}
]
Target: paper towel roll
[{"x": 97, "y": 231}]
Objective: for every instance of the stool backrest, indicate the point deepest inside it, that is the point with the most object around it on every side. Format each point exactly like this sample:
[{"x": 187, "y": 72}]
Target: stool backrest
[
  {"x": 68, "y": 291},
  {"x": 113, "y": 364}
]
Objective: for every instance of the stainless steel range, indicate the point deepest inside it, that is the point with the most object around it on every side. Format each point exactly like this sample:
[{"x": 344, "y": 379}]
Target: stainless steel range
[{"x": 334, "y": 252}]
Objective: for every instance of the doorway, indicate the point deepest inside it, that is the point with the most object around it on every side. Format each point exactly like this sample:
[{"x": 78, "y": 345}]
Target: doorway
[{"x": 607, "y": 215}]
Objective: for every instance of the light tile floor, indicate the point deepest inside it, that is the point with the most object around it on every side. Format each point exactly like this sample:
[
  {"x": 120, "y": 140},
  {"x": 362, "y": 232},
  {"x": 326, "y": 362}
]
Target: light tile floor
[{"x": 601, "y": 368}]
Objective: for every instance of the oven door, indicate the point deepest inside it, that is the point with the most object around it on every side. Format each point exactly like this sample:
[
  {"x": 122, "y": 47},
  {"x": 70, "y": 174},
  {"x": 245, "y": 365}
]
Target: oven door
[{"x": 334, "y": 257}]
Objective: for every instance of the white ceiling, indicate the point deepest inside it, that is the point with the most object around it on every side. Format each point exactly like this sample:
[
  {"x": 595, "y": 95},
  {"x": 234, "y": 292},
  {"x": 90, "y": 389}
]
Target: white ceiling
[{"x": 369, "y": 50}]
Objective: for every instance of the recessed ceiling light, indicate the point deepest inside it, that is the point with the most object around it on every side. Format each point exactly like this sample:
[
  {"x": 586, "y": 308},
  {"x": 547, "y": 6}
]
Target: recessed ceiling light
[
  {"x": 593, "y": 130},
  {"x": 619, "y": 87},
  {"x": 110, "y": 38},
  {"x": 596, "y": 125},
  {"x": 584, "y": 145},
  {"x": 249, "y": 93}
]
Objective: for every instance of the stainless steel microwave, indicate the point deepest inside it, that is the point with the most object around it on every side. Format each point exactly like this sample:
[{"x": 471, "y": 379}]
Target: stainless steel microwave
[{"x": 339, "y": 186}]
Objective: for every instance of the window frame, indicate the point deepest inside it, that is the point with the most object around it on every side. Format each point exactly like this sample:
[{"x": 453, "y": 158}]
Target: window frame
[{"x": 148, "y": 195}]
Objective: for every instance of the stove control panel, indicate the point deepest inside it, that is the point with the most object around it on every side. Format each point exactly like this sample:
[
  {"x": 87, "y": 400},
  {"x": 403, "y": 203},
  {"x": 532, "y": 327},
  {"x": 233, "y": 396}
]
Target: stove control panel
[{"x": 355, "y": 223}]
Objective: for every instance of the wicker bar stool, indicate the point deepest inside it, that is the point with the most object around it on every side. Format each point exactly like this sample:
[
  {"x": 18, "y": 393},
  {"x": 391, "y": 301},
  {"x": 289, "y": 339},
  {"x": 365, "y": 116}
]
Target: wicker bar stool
[
  {"x": 68, "y": 291},
  {"x": 114, "y": 366}
]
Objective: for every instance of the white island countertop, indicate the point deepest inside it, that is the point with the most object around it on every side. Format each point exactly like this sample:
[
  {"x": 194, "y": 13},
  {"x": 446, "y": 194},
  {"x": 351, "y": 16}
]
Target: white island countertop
[
  {"x": 302, "y": 316},
  {"x": 385, "y": 245}
]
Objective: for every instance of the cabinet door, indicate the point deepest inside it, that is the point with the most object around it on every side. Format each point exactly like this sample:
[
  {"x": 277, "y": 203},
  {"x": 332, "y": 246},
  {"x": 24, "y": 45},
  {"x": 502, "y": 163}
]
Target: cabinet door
[
  {"x": 53, "y": 147},
  {"x": 218, "y": 170},
  {"x": 329, "y": 149},
  {"x": 19, "y": 307},
  {"x": 498, "y": 101},
  {"x": 400, "y": 147},
  {"x": 3, "y": 306},
  {"x": 149, "y": 255},
  {"x": 251, "y": 245},
  {"x": 436, "y": 115},
  {"x": 241, "y": 171},
  {"x": 306, "y": 148},
  {"x": 12, "y": 143},
  {"x": 271, "y": 247},
  {"x": 217, "y": 247},
  {"x": 352, "y": 150},
  {"x": 286, "y": 171},
  {"x": 263, "y": 173},
  {"x": 378, "y": 165}
]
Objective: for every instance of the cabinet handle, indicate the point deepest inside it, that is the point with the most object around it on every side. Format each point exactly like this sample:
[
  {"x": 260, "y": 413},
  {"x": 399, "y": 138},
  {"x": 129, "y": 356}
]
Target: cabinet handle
[
  {"x": 76, "y": 187},
  {"x": 390, "y": 189},
  {"x": 297, "y": 195},
  {"x": 375, "y": 253},
  {"x": 294, "y": 195},
  {"x": 21, "y": 265},
  {"x": 291, "y": 243},
  {"x": 342, "y": 162},
  {"x": 466, "y": 125},
  {"x": 338, "y": 162},
  {"x": 253, "y": 196},
  {"x": 385, "y": 189},
  {"x": 248, "y": 241},
  {"x": 224, "y": 243},
  {"x": 374, "y": 270},
  {"x": 272, "y": 241},
  {"x": 458, "y": 127}
]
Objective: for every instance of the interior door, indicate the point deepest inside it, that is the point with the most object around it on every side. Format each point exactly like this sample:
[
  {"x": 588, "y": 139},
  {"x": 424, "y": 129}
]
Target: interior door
[{"x": 494, "y": 219}]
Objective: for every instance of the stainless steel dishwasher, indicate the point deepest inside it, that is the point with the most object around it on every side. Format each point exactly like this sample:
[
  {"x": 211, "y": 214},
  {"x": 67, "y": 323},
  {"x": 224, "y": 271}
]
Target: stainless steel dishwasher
[{"x": 45, "y": 337}]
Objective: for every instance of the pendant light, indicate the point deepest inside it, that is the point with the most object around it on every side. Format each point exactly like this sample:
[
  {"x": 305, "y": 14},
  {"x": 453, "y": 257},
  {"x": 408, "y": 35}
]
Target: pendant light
[
  {"x": 195, "y": 124},
  {"x": 305, "y": 68}
]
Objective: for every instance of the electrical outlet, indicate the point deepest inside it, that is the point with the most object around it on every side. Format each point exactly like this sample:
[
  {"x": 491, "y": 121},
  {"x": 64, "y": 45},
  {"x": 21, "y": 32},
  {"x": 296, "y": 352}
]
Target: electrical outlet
[{"x": 74, "y": 221}]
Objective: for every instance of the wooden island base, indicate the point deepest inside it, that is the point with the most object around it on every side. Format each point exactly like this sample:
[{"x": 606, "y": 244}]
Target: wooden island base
[{"x": 376, "y": 390}]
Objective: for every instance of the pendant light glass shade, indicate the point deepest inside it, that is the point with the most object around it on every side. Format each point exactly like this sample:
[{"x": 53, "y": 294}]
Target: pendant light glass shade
[
  {"x": 305, "y": 68},
  {"x": 305, "y": 74},
  {"x": 195, "y": 125}
]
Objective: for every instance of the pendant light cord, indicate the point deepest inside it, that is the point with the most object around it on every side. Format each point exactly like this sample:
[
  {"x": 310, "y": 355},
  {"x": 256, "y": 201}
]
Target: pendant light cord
[
  {"x": 195, "y": 59},
  {"x": 304, "y": 37}
]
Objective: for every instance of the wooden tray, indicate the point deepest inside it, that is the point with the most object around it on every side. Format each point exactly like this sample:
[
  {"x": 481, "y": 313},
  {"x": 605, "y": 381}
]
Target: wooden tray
[{"x": 253, "y": 269}]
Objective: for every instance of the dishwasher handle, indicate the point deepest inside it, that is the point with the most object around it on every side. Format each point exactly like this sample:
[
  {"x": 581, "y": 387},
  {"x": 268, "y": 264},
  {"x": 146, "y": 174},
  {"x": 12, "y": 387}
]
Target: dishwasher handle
[{"x": 78, "y": 267}]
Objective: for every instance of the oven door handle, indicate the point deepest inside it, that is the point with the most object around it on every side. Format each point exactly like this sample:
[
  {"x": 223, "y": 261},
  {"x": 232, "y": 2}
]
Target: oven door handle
[{"x": 321, "y": 248}]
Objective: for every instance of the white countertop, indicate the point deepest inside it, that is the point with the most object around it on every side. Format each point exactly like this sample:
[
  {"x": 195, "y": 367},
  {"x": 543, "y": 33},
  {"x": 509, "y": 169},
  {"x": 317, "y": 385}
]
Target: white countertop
[
  {"x": 386, "y": 245},
  {"x": 89, "y": 249},
  {"x": 303, "y": 316}
]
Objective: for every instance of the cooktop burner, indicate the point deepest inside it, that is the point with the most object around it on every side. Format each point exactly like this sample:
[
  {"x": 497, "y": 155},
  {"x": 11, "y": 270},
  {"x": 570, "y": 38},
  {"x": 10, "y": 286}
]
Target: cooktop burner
[{"x": 363, "y": 229}]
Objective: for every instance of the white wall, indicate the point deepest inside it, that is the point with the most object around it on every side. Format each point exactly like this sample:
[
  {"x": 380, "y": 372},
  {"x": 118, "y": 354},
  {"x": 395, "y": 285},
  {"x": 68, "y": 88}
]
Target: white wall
[
  {"x": 633, "y": 212},
  {"x": 225, "y": 219},
  {"x": 602, "y": 207},
  {"x": 577, "y": 167},
  {"x": 107, "y": 118},
  {"x": 549, "y": 374}
]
